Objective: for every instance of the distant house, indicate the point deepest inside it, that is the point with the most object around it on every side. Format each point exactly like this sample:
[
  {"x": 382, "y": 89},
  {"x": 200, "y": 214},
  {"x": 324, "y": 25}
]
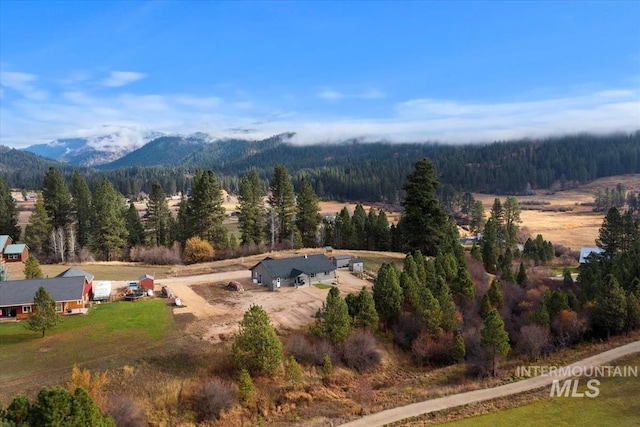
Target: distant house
[
  {"x": 356, "y": 265},
  {"x": 146, "y": 281},
  {"x": 76, "y": 272},
  {"x": 16, "y": 296},
  {"x": 17, "y": 252},
  {"x": 340, "y": 260},
  {"x": 585, "y": 251},
  {"x": 296, "y": 271},
  {"x": 4, "y": 242}
]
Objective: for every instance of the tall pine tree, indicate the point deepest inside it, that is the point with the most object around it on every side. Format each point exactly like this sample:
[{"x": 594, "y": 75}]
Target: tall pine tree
[
  {"x": 251, "y": 210},
  {"x": 308, "y": 214}
]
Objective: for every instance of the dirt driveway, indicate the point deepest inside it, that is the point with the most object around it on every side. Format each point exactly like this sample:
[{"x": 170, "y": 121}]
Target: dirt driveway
[{"x": 214, "y": 312}]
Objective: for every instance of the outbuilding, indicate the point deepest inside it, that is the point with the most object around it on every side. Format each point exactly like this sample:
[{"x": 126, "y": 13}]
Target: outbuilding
[
  {"x": 146, "y": 281},
  {"x": 340, "y": 260},
  {"x": 356, "y": 265}
]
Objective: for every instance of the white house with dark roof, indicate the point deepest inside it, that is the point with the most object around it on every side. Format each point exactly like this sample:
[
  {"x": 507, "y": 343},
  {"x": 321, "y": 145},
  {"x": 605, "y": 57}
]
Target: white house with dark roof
[
  {"x": 295, "y": 271},
  {"x": 16, "y": 296}
]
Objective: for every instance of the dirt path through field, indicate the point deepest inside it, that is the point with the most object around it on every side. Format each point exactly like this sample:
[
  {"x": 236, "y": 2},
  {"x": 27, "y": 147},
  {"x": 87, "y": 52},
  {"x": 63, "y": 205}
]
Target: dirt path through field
[
  {"x": 433, "y": 405},
  {"x": 218, "y": 313}
]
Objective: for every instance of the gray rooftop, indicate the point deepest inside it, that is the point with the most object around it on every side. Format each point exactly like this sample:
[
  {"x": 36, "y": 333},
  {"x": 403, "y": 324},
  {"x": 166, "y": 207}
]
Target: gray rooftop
[
  {"x": 341, "y": 256},
  {"x": 76, "y": 272},
  {"x": 21, "y": 292},
  {"x": 292, "y": 267}
]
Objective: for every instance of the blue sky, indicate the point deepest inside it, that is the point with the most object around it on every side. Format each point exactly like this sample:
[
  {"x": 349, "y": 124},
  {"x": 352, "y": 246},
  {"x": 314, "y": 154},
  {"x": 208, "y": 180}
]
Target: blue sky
[{"x": 400, "y": 71}]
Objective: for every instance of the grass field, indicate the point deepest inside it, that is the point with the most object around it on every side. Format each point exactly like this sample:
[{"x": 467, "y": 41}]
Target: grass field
[
  {"x": 101, "y": 271},
  {"x": 617, "y": 405},
  {"x": 105, "y": 337}
]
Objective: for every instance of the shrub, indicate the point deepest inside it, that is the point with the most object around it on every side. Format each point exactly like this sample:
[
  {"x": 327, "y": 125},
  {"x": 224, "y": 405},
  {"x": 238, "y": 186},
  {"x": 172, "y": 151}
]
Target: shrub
[
  {"x": 158, "y": 255},
  {"x": 534, "y": 341},
  {"x": 245, "y": 386},
  {"x": 212, "y": 397},
  {"x": 434, "y": 351},
  {"x": 360, "y": 352},
  {"x": 406, "y": 330},
  {"x": 197, "y": 250},
  {"x": 307, "y": 351},
  {"x": 125, "y": 412},
  {"x": 327, "y": 365}
]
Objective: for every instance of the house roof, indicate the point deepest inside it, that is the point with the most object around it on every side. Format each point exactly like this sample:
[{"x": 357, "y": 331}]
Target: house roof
[
  {"x": 292, "y": 267},
  {"x": 21, "y": 292},
  {"x": 341, "y": 256},
  {"x": 356, "y": 261},
  {"x": 585, "y": 251},
  {"x": 76, "y": 272},
  {"x": 15, "y": 249},
  {"x": 4, "y": 239},
  {"x": 145, "y": 276}
]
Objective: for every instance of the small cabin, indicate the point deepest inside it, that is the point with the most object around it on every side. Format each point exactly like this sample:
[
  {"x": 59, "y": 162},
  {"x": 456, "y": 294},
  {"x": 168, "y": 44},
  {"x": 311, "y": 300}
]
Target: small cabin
[{"x": 356, "y": 265}]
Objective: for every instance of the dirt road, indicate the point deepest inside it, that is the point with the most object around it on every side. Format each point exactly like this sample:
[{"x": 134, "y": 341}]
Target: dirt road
[
  {"x": 433, "y": 405},
  {"x": 216, "y": 316}
]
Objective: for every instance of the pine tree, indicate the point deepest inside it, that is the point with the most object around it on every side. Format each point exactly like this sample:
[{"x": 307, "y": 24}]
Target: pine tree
[
  {"x": 421, "y": 268},
  {"x": 359, "y": 221},
  {"x": 257, "y": 347},
  {"x": 293, "y": 372},
  {"x": 32, "y": 269},
  {"x": 610, "y": 311},
  {"x": 37, "y": 231},
  {"x": 158, "y": 216},
  {"x": 134, "y": 227},
  {"x": 458, "y": 351},
  {"x": 82, "y": 208},
  {"x": 485, "y": 306},
  {"x": 424, "y": 220},
  {"x": 521, "y": 278},
  {"x": 43, "y": 314},
  {"x": 308, "y": 214},
  {"x": 447, "y": 305},
  {"x": 478, "y": 217},
  {"x": 282, "y": 201},
  {"x": 109, "y": 231},
  {"x": 512, "y": 219},
  {"x": 387, "y": 293},
  {"x": 411, "y": 300},
  {"x": 462, "y": 286},
  {"x": 251, "y": 211},
  {"x": 490, "y": 246},
  {"x": 245, "y": 386},
  {"x": 495, "y": 294},
  {"x": 345, "y": 238},
  {"x": 8, "y": 213},
  {"x": 494, "y": 338},
  {"x": 205, "y": 211},
  {"x": 611, "y": 233},
  {"x": 334, "y": 322},
  {"x": 57, "y": 199},
  {"x": 366, "y": 317},
  {"x": 429, "y": 312},
  {"x": 633, "y": 311},
  {"x": 327, "y": 365}
]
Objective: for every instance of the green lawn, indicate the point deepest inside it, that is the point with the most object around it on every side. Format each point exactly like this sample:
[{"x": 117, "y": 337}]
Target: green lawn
[
  {"x": 323, "y": 286},
  {"x": 559, "y": 271},
  {"x": 617, "y": 405},
  {"x": 109, "y": 335}
]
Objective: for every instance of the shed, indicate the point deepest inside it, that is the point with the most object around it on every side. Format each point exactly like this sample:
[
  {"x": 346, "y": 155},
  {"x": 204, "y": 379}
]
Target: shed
[
  {"x": 341, "y": 260},
  {"x": 146, "y": 281},
  {"x": 356, "y": 265}
]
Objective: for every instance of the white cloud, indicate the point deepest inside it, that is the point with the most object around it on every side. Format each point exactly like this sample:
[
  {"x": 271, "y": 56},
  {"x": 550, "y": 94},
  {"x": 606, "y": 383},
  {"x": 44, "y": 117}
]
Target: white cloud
[
  {"x": 84, "y": 111},
  {"x": 330, "y": 94},
  {"x": 22, "y": 83},
  {"x": 122, "y": 78}
]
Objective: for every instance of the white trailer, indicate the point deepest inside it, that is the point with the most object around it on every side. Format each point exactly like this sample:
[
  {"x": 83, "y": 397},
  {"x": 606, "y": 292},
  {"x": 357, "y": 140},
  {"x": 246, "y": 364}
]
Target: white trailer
[{"x": 101, "y": 290}]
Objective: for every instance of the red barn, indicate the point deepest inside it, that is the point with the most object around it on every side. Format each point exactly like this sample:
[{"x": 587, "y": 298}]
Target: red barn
[{"x": 146, "y": 281}]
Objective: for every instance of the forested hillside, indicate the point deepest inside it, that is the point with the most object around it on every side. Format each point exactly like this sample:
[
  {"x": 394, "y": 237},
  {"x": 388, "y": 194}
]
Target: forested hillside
[{"x": 354, "y": 170}]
